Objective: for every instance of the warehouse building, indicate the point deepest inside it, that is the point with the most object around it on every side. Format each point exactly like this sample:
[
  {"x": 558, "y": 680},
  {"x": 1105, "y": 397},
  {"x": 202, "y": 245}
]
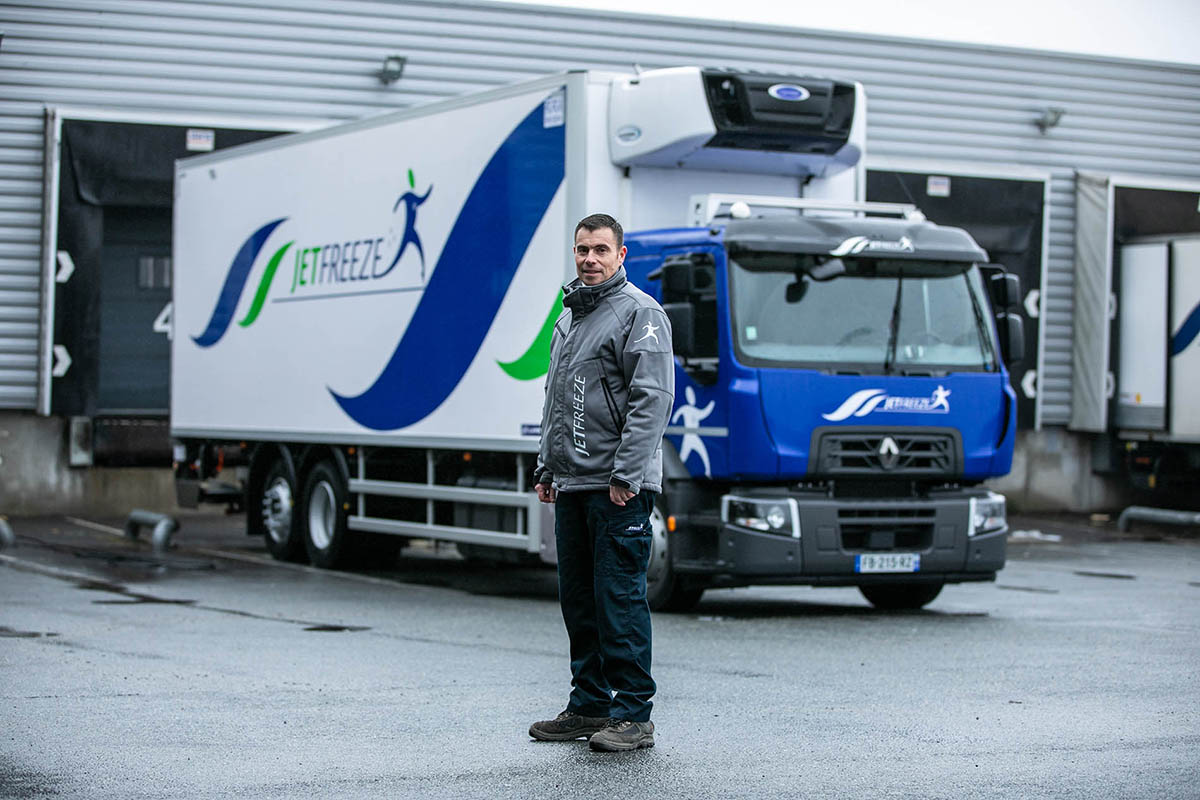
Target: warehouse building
[{"x": 1056, "y": 163}]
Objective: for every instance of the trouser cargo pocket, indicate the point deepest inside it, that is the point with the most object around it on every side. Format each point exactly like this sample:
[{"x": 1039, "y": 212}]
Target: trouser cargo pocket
[{"x": 625, "y": 549}]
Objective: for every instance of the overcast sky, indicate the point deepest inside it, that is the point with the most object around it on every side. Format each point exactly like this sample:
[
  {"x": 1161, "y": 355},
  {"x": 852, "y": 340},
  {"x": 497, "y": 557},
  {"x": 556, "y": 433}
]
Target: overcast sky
[{"x": 1158, "y": 30}]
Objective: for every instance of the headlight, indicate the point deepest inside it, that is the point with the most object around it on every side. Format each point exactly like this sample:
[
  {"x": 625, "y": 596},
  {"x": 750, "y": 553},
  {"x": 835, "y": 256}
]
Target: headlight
[
  {"x": 987, "y": 514},
  {"x": 780, "y": 516}
]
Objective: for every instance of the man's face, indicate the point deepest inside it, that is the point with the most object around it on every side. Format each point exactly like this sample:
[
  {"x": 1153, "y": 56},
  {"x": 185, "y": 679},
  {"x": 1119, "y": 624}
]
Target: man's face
[{"x": 596, "y": 255}]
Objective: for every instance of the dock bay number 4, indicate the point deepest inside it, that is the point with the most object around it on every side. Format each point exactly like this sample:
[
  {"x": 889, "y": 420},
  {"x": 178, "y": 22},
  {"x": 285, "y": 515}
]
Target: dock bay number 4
[{"x": 162, "y": 323}]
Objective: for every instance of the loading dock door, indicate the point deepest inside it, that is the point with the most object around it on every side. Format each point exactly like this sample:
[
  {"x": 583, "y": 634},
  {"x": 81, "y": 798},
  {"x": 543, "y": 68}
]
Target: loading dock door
[
  {"x": 135, "y": 290},
  {"x": 1007, "y": 217},
  {"x": 112, "y": 276}
]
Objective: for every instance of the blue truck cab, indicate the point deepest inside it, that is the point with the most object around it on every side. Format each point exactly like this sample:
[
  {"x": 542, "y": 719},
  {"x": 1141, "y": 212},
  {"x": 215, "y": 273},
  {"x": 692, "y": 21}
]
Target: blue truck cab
[{"x": 841, "y": 395}]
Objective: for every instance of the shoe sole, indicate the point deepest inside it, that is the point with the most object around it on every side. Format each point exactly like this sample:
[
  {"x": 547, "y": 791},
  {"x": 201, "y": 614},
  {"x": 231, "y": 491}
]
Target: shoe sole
[
  {"x": 612, "y": 747},
  {"x": 582, "y": 733}
]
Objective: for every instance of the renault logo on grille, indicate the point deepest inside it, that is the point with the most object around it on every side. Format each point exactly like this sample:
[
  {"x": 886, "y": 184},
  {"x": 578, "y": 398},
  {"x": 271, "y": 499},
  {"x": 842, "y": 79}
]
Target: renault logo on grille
[{"x": 889, "y": 452}]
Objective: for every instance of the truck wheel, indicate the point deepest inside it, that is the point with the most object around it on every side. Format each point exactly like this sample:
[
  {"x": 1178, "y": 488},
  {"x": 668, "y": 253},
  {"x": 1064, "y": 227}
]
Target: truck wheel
[
  {"x": 276, "y": 508},
  {"x": 664, "y": 589},
  {"x": 896, "y": 596},
  {"x": 323, "y": 517}
]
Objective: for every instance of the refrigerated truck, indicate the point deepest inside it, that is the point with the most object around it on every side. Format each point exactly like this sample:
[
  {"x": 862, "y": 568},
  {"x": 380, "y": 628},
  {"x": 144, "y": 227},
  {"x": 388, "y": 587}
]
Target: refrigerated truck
[{"x": 362, "y": 320}]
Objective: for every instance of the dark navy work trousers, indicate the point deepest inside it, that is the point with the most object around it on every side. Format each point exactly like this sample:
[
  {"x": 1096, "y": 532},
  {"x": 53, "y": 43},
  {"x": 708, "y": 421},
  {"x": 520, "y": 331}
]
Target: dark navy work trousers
[{"x": 603, "y": 552}]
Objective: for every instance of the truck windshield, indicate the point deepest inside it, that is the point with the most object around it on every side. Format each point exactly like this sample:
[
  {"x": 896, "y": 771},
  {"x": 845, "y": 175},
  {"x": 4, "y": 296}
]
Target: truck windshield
[{"x": 908, "y": 316}]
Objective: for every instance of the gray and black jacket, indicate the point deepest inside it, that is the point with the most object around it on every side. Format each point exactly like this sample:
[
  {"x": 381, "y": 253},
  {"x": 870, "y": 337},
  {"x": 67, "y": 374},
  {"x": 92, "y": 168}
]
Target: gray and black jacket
[{"x": 609, "y": 391}]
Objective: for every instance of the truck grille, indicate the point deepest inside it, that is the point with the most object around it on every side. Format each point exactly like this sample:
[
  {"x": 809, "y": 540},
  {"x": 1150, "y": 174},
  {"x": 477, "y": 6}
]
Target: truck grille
[
  {"x": 887, "y": 451},
  {"x": 886, "y": 528}
]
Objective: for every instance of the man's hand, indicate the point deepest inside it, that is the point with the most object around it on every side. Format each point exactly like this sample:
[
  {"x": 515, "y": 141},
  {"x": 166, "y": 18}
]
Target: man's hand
[
  {"x": 546, "y": 492},
  {"x": 618, "y": 495}
]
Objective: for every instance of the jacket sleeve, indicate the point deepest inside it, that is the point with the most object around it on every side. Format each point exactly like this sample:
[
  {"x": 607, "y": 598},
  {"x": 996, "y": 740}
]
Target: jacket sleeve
[{"x": 649, "y": 370}]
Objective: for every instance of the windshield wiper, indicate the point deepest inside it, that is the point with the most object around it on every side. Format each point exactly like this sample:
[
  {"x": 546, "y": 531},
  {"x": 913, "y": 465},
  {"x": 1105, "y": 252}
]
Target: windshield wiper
[{"x": 894, "y": 327}]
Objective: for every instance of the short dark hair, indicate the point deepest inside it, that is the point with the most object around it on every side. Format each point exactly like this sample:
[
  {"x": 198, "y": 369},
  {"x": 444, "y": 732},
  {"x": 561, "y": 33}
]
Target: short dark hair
[{"x": 594, "y": 222}]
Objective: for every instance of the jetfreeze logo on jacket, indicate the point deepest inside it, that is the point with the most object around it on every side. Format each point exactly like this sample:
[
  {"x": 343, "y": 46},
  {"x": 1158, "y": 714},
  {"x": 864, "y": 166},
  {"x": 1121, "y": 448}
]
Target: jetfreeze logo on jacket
[
  {"x": 578, "y": 420},
  {"x": 868, "y": 401}
]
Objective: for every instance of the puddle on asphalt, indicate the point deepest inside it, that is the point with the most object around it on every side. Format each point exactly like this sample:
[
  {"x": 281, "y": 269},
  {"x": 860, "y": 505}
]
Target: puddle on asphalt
[
  {"x": 1037, "y": 589},
  {"x": 134, "y": 598},
  {"x": 8, "y": 633},
  {"x": 130, "y": 598},
  {"x": 336, "y": 628},
  {"x": 1115, "y": 575},
  {"x": 122, "y": 554}
]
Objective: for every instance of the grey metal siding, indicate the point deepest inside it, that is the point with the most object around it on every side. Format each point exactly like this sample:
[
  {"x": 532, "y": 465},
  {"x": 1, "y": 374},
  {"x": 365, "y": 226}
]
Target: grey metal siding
[{"x": 317, "y": 59}]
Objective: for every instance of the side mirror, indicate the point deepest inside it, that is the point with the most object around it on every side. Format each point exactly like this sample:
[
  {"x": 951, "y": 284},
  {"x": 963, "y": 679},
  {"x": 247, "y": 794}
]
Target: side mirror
[
  {"x": 683, "y": 327},
  {"x": 1011, "y": 328},
  {"x": 676, "y": 278},
  {"x": 1005, "y": 290}
]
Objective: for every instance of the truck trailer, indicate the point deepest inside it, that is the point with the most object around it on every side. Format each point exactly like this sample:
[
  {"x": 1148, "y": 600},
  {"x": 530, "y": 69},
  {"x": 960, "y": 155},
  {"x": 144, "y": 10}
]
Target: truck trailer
[
  {"x": 1156, "y": 320},
  {"x": 362, "y": 322}
]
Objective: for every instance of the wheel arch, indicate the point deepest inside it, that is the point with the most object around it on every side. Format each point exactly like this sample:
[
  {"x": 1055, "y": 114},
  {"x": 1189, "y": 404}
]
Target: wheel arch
[{"x": 322, "y": 452}]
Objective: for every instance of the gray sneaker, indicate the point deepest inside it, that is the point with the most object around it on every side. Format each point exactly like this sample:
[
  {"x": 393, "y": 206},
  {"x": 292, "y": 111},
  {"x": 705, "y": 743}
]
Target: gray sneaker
[
  {"x": 566, "y": 727},
  {"x": 622, "y": 734}
]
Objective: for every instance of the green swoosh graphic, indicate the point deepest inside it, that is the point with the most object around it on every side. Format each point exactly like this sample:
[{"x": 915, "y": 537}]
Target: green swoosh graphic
[
  {"x": 260, "y": 296},
  {"x": 536, "y": 361}
]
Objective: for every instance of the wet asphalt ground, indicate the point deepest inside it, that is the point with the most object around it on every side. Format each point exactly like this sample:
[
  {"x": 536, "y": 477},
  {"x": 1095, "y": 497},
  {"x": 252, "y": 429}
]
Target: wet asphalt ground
[{"x": 214, "y": 672}]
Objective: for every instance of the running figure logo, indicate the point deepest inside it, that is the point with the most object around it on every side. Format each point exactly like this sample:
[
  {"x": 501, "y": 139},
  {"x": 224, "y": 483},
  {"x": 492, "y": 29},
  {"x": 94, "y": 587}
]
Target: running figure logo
[
  {"x": 650, "y": 333},
  {"x": 692, "y": 417},
  {"x": 412, "y": 201}
]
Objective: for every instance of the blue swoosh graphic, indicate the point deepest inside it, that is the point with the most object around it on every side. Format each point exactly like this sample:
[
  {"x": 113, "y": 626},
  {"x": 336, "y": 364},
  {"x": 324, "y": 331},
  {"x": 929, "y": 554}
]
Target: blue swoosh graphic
[
  {"x": 235, "y": 281},
  {"x": 473, "y": 273},
  {"x": 1187, "y": 332}
]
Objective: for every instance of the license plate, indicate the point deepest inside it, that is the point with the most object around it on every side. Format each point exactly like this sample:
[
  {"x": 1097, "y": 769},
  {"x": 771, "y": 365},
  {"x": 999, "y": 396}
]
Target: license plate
[{"x": 887, "y": 562}]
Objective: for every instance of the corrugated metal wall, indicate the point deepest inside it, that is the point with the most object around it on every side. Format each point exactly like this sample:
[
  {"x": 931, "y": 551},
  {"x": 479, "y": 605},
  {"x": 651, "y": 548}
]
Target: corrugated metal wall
[{"x": 317, "y": 59}]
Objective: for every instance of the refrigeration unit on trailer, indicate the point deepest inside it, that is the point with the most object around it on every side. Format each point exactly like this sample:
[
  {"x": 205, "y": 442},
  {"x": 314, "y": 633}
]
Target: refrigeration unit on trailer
[{"x": 363, "y": 319}]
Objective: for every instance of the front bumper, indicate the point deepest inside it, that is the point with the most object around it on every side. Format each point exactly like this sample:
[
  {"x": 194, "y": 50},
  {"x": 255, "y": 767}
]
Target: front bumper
[{"x": 834, "y": 531}]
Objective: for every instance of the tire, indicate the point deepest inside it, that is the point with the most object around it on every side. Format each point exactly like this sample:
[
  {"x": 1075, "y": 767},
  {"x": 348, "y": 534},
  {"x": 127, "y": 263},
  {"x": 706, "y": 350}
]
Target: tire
[
  {"x": 323, "y": 517},
  {"x": 665, "y": 591},
  {"x": 900, "y": 596},
  {"x": 276, "y": 506}
]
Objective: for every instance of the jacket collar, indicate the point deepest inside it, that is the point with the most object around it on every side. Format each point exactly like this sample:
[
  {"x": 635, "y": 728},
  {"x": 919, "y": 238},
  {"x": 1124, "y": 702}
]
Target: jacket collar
[{"x": 582, "y": 299}]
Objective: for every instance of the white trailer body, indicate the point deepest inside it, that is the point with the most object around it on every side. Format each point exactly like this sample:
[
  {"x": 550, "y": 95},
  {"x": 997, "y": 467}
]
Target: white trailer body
[
  {"x": 1185, "y": 351},
  {"x": 340, "y": 236}
]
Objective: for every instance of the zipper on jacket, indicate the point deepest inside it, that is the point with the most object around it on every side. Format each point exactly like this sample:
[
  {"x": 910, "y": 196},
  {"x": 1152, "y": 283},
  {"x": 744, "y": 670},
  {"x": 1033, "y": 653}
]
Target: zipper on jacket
[{"x": 609, "y": 400}]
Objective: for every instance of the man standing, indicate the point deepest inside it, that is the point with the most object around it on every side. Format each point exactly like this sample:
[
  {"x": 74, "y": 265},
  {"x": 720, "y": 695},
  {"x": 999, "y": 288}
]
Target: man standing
[{"x": 608, "y": 395}]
